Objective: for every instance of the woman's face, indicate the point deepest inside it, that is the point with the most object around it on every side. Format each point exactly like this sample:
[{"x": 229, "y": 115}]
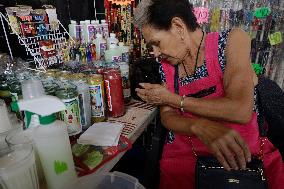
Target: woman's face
[{"x": 167, "y": 44}]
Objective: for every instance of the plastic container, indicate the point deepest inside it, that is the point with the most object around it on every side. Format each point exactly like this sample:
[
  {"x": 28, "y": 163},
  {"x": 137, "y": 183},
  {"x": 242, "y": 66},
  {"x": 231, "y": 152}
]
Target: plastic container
[
  {"x": 105, "y": 31},
  {"x": 97, "y": 27},
  {"x": 124, "y": 52},
  {"x": 19, "y": 136},
  {"x": 17, "y": 168},
  {"x": 5, "y": 124},
  {"x": 72, "y": 28},
  {"x": 100, "y": 43},
  {"x": 112, "y": 40},
  {"x": 54, "y": 150},
  {"x": 113, "y": 180},
  {"x": 113, "y": 54}
]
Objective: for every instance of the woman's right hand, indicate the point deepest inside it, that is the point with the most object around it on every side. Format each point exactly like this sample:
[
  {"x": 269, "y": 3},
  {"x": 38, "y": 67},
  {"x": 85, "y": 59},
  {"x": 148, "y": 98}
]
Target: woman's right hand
[{"x": 225, "y": 143}]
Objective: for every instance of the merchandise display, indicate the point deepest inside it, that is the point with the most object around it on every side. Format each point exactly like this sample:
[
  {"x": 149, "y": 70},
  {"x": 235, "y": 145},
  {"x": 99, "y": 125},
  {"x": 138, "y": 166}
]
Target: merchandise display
[{"x": 86, "y": 75}]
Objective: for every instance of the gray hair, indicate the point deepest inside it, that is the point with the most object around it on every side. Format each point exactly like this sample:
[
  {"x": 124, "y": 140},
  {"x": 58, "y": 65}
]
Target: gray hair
[{"x": 141, "y": 13}]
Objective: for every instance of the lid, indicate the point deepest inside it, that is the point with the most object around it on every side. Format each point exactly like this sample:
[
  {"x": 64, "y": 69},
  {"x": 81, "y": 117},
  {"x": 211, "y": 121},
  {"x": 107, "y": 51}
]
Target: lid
[
  {"x": 112, "y": 46},
  {"x": 121, "y": 44},
  {"x": 82, "y": 22},
  {"x": 93, "y": 21},
  {"x": 87, "y": 21},
  {"x": 103, "y": 21},
  {"x": 73, "y": 22},
  {"x": 98, "y": 35},
  {"x": 112, "y": 35}
]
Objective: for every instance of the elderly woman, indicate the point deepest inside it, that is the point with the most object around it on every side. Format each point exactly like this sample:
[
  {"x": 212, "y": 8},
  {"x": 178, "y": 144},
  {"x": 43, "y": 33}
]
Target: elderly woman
[{"x": 207, "y": 99}]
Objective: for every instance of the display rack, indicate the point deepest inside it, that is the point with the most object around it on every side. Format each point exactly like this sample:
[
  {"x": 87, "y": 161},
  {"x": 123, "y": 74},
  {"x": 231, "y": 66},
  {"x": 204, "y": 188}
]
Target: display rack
[{"x": 58, "y": 37}]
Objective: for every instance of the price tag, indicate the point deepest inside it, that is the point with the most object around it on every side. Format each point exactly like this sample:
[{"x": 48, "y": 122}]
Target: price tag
[
  {"x": 121, "y": 2},
  {"x": 262, "y": 12},
  {"x": 215, "y": 20},
  {"x": 275, "y": 38},
  {"x": 201, "y": 14}
]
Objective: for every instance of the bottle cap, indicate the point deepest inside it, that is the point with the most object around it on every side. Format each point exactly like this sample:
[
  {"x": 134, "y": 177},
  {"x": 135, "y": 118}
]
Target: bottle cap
[
  {"x": 121, "y": 44},
  {"x": 112, "y": 46},
  {"x": 73, "y": 22},
  {"x": 32, "y": 89},
  {"x": 112, "y": 35},
  {"x": 98, "y": 35}
]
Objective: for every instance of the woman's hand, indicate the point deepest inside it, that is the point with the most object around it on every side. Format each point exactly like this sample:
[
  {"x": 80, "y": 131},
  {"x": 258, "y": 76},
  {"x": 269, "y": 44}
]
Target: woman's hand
[
  {"x": 225, "y": 144},
  {"x": 154, "y": 93}
]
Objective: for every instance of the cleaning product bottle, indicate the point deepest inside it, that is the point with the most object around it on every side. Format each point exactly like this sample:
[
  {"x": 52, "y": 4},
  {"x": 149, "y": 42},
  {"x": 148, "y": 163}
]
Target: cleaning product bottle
[
  {"x": 105, "y": 30},
  {"x": 100, "y": 46},
  {"x": 112, "y": 40},
  {"x": 96, "y": 24},
  {"x": 113, "y": 54},
  {"x": 72, "y": 28},
  {"x": 51, "y": 137},
  {"x": 124, "y": 52}
]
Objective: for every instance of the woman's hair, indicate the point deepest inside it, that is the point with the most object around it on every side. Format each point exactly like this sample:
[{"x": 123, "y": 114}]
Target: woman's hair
[{"x": 159, "y": 13}]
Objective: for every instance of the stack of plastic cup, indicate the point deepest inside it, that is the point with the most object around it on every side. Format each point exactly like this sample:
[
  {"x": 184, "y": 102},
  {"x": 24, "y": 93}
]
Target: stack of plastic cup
[
  {"x": 19, "y": 136},
  {"x": 32, "y": 89},
  {"x": 18, "y": 168}
]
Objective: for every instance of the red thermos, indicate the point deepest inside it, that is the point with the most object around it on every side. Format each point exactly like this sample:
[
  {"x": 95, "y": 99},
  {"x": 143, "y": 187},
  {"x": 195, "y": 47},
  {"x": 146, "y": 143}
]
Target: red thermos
[{"x": 114, "y": 92}]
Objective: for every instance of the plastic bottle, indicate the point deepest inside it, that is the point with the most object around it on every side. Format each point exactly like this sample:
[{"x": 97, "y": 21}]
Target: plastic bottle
[
  {"x": 105, "y": 30},
  {"x": 51, "y": 137},
  {"x": 100, "y": 46},
  {"x": 124, "y": 52},
  {"x": 82, "y": 37},
  {"x": 84, "y": 103},
  {"x": 113, "y": 54},
  {"x": 72, "y": 28},
  {"x": 112, "y": 40},
  {"x": 97, "y": 27},
  {"x": 86, "y": 31}
]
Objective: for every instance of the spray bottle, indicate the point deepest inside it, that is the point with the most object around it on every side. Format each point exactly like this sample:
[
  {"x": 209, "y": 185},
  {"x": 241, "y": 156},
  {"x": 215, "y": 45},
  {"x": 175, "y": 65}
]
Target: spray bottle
[{"x": 50, "y": 137}]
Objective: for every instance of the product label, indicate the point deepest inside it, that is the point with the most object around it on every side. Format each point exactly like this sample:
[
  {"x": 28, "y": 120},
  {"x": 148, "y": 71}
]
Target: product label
[
  {"x": 82, "y": 109},
  {"x": 116, "y": 59},
  {"x": 125, "y": 57},
  {"x": 275, "y": 38},
  {"x": 97, "y": 101},
  {"x": 71, "y": 116},
  {"x": 107, "y": 86},
  {"x": 60, "y": 167},
  {"x": 78, "y": 31},
  {"x": 103, "y": 47},
  {"x": 91, "y": 33}
]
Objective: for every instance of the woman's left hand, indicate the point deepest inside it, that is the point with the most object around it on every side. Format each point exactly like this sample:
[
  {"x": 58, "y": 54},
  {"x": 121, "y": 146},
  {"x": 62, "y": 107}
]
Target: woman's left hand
[{"x": 153, "y": 93}]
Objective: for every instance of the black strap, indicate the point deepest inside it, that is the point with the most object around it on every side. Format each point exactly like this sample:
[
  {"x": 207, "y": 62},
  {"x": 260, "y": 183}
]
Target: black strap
[
  {"x": 176, "y": 83},
  {"x": 260, "y": 116}
]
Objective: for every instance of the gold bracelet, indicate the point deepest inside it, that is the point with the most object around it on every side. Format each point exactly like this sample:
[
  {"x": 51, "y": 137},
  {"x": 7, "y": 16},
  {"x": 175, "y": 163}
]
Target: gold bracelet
[{"x": 181, "y": 103}]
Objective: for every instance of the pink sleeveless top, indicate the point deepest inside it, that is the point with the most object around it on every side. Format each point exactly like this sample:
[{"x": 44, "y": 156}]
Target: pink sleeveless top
[{"x": 177, "y": 163}]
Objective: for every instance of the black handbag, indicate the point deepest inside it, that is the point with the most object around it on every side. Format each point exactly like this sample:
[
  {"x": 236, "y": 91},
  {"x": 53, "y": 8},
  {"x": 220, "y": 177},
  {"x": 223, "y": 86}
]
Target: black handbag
[{"x": 210, "y": 174}]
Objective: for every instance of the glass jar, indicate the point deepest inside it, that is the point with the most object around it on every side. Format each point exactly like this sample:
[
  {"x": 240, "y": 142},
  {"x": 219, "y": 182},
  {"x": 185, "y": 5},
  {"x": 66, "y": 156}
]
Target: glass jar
[
  {"x": 70, "y": 115},
  {"x": 96, "y": 86},
  {"x": 114, "y": 92}
]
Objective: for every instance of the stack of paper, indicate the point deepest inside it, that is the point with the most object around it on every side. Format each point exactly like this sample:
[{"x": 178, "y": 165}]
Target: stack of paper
[{"x": 102, "y": 134}]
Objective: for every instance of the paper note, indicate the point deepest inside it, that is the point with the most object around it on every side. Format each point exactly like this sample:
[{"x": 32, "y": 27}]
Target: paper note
[
  {"x": 275, "y": 38},
  {"x": 262, "y": 12}
]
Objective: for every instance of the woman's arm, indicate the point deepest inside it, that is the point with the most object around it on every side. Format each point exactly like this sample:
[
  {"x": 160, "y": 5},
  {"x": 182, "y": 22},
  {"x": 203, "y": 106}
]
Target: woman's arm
[{"x": 225, "y": 143}]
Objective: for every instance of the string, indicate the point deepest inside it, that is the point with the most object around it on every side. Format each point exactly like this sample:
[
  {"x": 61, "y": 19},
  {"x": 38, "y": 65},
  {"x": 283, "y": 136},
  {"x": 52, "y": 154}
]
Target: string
[{"x": 196, "y": 59}]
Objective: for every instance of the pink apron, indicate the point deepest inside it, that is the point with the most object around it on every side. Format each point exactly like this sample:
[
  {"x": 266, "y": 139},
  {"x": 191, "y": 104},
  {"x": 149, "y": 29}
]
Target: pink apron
[{"x": 178, "y": 162}]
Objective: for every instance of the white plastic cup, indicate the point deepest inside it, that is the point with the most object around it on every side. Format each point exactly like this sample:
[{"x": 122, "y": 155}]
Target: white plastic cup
[
  {"x": 5, "y": 124},
  {"x": 32, "y": 89},
  {"x": 17, "y": 137},
  {"x": 18, "y": 168}
]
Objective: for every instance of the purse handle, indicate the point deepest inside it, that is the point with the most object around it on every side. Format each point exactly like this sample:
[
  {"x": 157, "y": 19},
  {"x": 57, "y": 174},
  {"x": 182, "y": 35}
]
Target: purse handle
[{"x": 176, "y": 86}]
